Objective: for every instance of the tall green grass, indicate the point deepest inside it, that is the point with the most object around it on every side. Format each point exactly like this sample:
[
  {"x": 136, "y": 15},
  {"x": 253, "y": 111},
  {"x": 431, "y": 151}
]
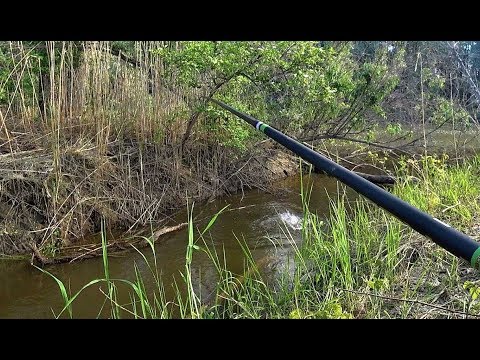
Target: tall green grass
[{"x": 357, "y": 262}]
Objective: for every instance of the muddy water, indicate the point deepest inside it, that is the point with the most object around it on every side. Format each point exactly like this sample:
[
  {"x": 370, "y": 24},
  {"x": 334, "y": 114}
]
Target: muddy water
[{"x": 267, "y": 222}]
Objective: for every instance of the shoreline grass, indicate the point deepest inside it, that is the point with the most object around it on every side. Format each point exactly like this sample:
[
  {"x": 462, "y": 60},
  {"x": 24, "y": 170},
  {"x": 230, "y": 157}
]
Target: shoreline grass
[{"x": 360, "y": 262}]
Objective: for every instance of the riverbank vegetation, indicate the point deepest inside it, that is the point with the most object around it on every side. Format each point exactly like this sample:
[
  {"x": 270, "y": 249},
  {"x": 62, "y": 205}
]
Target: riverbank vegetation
[
  {"x": 359, "y": 262},
  {"x": 119, "y": 135}
]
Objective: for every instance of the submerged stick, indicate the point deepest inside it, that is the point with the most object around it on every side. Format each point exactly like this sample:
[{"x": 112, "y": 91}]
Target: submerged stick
[{"x": 95, "y": 250}]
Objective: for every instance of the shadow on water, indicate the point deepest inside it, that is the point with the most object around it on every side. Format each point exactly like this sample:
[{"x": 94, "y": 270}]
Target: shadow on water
[{"x": 261, "y": 219}]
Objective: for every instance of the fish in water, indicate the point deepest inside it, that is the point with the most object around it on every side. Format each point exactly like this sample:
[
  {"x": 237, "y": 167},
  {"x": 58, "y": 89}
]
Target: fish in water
[{"x": 292, "y": 220}]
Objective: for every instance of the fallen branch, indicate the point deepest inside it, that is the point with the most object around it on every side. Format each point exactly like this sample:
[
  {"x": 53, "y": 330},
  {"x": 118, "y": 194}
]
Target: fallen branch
[
  {"x": 76, "y": 253},
  {"x": 343, "y": 138},
  {"x": 378, "y": 179},
  {"x": 167, "y": 230}
]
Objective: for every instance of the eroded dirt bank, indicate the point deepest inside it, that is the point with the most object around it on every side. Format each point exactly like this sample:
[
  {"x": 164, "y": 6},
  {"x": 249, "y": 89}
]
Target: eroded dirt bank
[{"x": 129, "y": 185}]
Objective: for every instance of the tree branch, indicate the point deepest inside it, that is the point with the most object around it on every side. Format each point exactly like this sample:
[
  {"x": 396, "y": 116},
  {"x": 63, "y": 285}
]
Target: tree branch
[{"x": 322, "y": 137}]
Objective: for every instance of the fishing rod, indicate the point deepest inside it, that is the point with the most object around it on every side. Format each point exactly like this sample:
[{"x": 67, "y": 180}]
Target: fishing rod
[{"x": 442, "y": 234}]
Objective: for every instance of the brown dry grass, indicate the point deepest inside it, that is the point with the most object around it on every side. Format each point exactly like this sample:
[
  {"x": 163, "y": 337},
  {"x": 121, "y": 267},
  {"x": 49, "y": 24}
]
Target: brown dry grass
[{"x": 102, "y": 139}]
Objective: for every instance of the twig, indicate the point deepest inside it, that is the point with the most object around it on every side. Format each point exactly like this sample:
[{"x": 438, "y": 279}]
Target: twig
[
  {"x": 336, "y": 137},
  {"x": 427, "y": 134},
  {"x": 412, "y": 301}
]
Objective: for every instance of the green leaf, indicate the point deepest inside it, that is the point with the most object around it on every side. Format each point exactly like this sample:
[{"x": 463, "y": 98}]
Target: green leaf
[
  {"x": 296, "y": 314},
  {"x": 213, "y": 219},
  {"x": 473, "y": 289},
  {"x": 63, "y": 290}
]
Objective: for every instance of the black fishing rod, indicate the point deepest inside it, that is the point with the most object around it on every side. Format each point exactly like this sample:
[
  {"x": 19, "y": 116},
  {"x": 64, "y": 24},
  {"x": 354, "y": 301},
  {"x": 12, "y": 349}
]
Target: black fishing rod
[{"x": 444, "y": 235}]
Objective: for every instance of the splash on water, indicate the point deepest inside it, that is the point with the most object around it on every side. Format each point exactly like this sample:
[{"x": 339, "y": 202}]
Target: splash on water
[
  {"x": 272, "y": 223},
  {"x": 292, "y": 220}
]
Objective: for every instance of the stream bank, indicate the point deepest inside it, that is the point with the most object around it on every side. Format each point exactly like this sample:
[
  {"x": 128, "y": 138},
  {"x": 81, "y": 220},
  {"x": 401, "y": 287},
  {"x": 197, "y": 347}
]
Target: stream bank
[{"x": 49, "y": 202}]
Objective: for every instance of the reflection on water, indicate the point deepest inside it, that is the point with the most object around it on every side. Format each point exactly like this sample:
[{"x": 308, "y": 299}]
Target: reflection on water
[{"x": 268, "y": 223}]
